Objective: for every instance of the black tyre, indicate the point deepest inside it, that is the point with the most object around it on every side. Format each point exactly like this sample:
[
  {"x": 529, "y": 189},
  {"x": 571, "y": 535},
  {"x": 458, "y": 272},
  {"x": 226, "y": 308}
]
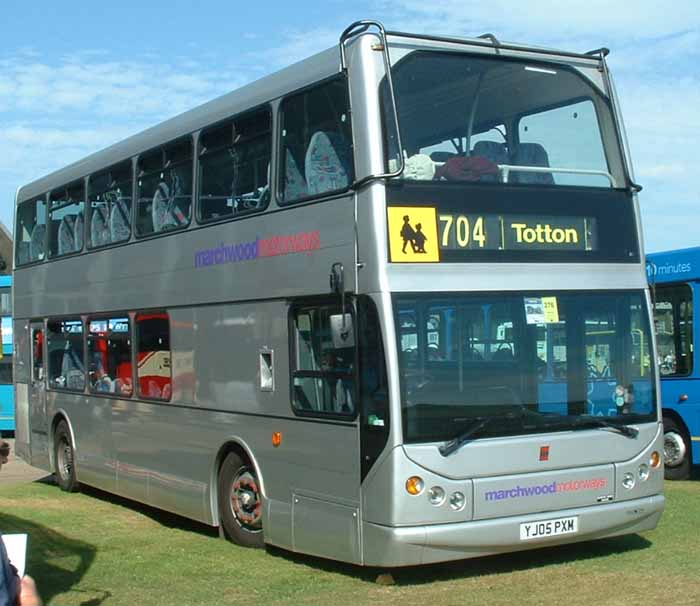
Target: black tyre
[
  {"x": 64, "y": 458},
  {"x": 676, "y": 451},
  {"x": 240, "y": 502}
]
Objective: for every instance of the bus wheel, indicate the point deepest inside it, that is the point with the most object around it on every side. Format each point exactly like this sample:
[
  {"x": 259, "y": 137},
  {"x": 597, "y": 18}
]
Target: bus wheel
[
  {"x": 676, "y": 452},
  {"x": 240, "y": 502},
  {"x": 64, "y": 457}
]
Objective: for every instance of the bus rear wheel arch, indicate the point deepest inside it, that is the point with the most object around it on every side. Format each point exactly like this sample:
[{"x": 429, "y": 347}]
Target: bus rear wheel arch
[
  {"x": 64, "y": 458},
  {"x": 240, "y": 501},
  {"x": 677, "y": 450}
]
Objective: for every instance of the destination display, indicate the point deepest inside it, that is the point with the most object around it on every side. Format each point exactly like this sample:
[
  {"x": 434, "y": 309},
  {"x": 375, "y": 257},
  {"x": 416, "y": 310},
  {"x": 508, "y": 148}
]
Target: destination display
[
  {"x": 515, "y": 232},
  {"x": 426, "y": 234}
]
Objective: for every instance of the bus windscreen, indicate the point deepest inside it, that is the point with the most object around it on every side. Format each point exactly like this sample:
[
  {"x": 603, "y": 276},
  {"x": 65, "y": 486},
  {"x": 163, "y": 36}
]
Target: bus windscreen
[{"x": 528, "y": 362}]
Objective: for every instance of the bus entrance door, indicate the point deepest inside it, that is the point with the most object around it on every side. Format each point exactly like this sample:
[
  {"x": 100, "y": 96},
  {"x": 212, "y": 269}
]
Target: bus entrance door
[{"x": 38, "y": 424}]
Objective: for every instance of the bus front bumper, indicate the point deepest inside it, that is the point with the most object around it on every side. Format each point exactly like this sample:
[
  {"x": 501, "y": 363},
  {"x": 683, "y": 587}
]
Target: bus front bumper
[{"x": 407, "y": 546}]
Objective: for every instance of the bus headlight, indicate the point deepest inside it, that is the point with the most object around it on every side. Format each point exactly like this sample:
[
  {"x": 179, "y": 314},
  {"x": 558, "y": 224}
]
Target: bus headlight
[
  {"x": 643, "y": 472},
  {"x": 457, "y": 501},
  {"x": 436, "y": 496},
  {"x": 628, "y": 481}
]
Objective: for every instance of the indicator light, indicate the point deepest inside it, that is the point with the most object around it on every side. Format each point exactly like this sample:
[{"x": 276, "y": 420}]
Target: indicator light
[
  {"x": 655, "y": 459},
  {"x": 628, "y": 481},
  {"x": 414, "y": 485},
  {"x": 276, "y": 438}
]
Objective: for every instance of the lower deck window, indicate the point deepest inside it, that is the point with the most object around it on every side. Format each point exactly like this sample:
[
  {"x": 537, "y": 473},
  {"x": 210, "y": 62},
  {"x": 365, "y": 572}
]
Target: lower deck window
[
  {"x": 154, "y": 371},
  {"x": 65, "y": 346},
  {"x": 109, "y": 354},
  {"x": 323, "y": 379}
]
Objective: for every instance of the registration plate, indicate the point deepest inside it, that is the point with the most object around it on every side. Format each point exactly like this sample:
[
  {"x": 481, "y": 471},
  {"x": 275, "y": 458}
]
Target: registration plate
[{"x": 548, "y": 528}]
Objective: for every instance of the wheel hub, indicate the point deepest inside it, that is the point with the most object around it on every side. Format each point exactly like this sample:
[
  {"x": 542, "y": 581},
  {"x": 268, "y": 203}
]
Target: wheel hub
[
  {"x": 246, "y": 504},
  {"x": 65, "y": 460},
  {"x": 674, "y": 449}
]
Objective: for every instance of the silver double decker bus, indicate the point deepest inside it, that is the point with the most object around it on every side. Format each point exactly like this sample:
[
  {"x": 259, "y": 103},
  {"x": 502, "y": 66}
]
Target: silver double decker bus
[{"x": 386, "y": 306}]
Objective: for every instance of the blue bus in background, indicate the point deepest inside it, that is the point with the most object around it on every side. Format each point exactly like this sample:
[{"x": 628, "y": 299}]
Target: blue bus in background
[
  {"x": 7, "y": 391},
  {"x": 675, "y": 280}
]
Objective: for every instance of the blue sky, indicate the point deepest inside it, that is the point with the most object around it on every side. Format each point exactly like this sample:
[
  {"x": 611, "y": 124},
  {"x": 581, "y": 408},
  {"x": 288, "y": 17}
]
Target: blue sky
[{"x": 76, "y": 76}]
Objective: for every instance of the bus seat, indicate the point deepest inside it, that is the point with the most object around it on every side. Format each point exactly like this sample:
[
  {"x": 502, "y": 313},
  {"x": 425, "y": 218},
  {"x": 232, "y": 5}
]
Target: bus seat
[
  {"x": 160, "y": 208},
  {"x": 295, "y": 184},
  {"x": 503, "y": 354},
  {"x": 165, "y": 212},
  {"x": 119, "y": 224},
  {"x": 23, "y": 252},
  {"x": 99, "y": 230},
  {"x": 37, "y": 243},
  {"x": 66, "y": 236},
  {"x": 531, "y": 154},
  {"x": 327, "y": 162},
  {"x": 494, "y": 151},
  {"x": 442, "y": 156},
  {"x": 72, "y": 369}
]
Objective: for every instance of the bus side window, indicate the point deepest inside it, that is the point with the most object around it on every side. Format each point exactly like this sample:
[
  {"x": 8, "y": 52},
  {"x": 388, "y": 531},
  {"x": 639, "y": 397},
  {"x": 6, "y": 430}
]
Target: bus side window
[
  {"x": 673, "y": 317},
  {"x": 109, "y": 203},
  {"x": 234, "y": 164},
  {"x": 38, "y": 355},
  {"x": 164, "y": 198},
  {"x": 373, "y": 387},
  {"x": 316, "y": 153},
  {"x": 154, "y": 372},
  {"x": 323, "y": 371},
  {"x": 66, "y": 220},
  {"x": 109, "y": 355},
  {"x": 64, "y": 340},
  {"x": 30, "y": 231}
]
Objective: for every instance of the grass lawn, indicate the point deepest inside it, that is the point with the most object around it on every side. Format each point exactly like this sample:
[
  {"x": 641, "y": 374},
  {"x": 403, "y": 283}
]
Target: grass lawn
[{"x": 92, "y": 548}]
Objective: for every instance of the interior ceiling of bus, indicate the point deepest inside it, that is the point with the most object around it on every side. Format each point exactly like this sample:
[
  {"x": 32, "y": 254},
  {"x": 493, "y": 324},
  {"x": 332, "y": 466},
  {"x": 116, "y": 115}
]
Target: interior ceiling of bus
[{"x": 438, "y": 91}]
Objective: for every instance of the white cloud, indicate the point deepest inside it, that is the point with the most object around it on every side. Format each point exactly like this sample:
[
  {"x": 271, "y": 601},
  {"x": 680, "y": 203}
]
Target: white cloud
[
  {"x": 56, "y": 110},
  {"x": 554, "y": 19}
]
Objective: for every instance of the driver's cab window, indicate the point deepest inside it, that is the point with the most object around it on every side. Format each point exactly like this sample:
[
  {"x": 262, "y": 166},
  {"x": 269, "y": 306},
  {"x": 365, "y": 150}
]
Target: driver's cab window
[{"x": 323, "y": 373}]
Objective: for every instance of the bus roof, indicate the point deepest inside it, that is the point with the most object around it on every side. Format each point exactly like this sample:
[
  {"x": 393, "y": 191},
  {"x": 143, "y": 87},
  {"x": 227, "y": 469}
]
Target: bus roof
[
  {"x": 303, "y": 73},
  {"x": 679, "y": 265}
]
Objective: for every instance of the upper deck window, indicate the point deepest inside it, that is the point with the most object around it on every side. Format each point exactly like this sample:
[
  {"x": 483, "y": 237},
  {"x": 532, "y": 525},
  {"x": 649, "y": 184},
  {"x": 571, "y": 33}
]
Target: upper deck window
[
  {"x": 67, "y": 225},
  {"x": 316, "y": 142},
  {"x": 234, "y": 167},
  {"x": 109, "y": 196},
  {"x": 475, "y": 119},
  {"x": 164, "y": 188},
  {"x": 30, "y": 231}
]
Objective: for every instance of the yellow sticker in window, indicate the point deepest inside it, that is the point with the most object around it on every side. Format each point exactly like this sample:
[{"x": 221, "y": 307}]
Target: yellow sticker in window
[
  {"x": 551, "y": 311},
  {"x": 413, "y": 234}
]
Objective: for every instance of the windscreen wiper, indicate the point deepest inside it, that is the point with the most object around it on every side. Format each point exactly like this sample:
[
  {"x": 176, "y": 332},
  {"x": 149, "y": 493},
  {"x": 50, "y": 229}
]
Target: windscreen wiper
[
  {"x": 455, "y": 444},
  {"x": 625, "y": 430}
]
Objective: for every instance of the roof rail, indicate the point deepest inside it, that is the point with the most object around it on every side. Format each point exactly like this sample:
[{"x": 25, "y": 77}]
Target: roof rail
[
  {"x": 495, "y": 41},
  {"x": 602, "y": 51}
]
